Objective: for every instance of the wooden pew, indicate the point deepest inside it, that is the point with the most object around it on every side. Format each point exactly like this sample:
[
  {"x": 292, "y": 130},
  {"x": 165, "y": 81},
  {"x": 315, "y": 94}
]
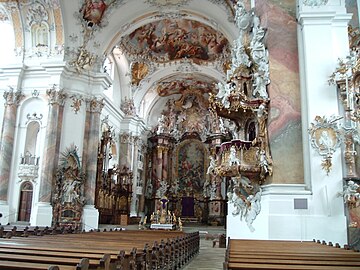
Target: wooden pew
[
  {"x": 267, "y": 254},
  {"x": 136, "y": 252}
]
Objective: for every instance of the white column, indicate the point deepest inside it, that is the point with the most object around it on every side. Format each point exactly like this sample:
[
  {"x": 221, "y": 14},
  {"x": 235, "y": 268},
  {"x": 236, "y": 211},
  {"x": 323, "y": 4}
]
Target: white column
[{"x": 322, "y": 39}]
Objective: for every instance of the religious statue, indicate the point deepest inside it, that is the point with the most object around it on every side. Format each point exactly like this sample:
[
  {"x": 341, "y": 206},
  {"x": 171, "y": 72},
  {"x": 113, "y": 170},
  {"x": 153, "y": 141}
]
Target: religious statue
[
  {"x": 264, "y": 165},
  {"x": 162, "y": 189},
  {"x": 253, "y": 210},
  {"x": 260, "y": 86},
  {"x": 161, "y": 126},
  {"x": 212, "y": 165},
  {"x": 180, "y": 224},
  {"x": 70, "y": 194},
  {"x": 233, "y": 159}
]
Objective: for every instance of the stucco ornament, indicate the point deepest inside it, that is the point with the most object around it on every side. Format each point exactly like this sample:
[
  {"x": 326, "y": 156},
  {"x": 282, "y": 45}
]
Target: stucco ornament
[
  {"x": 246, "y": 205},
  {"x": 325, "y": 138},
  {"x": 315, "y": 3},
  {"x": 351, "y": 194}
]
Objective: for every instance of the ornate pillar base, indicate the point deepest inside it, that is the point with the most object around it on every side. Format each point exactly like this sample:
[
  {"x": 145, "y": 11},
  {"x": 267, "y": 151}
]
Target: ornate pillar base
[
  {"x": 279, "y": 219},
  {"x": 90, "y": 219},
  {"x": 4, "y": 211},
  {"x": 42, "y": 215}
]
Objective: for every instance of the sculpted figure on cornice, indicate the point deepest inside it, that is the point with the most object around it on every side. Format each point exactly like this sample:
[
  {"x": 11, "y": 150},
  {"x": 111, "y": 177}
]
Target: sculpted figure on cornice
[{"x": 168, "y": 40}]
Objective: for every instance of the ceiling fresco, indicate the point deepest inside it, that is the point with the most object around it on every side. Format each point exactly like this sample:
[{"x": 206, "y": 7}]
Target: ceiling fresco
[
  {"x": 172, "y": 39},
  {"x": 179, "y": 85}
]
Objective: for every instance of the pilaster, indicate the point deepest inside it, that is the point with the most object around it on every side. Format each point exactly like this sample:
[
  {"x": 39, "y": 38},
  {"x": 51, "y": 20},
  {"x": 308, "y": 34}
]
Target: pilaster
[{"x": 322, "y": 39}]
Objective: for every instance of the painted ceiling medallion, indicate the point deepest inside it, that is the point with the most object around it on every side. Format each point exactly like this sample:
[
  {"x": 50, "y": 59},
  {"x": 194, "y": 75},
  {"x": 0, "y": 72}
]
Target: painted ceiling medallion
[{"x": 173, "y": 39}]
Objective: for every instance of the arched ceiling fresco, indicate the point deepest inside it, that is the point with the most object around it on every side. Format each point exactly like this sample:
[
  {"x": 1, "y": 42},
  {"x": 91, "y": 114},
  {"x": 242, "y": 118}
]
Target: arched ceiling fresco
[
  {"x": 173, "y": 39},
  {"x": 179, "y": 84}
]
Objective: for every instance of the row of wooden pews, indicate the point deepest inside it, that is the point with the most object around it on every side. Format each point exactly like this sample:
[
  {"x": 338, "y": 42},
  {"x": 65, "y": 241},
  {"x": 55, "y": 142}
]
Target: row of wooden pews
[
  {"x": 289, "y": 255},
  {"x": 105, "y": 250}
]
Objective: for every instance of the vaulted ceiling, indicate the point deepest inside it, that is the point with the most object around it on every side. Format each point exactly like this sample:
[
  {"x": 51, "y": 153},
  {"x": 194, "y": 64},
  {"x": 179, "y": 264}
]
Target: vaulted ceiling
[{"x": 158, "y": 48}]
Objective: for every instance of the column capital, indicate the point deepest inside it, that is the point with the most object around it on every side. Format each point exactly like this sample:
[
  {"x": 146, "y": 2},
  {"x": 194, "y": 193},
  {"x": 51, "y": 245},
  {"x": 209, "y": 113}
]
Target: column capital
[
  {"x": 56, "y": 95},
  {"x": 319, "y": 12},
  {"x": 94, "y": 105},
  {"x": 13, "y": 98},
  {"x": 125, "y": 137}
]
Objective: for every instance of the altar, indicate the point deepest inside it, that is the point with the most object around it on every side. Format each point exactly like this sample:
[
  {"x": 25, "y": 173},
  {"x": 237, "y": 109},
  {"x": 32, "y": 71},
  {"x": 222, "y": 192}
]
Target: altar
[{"x": 159, "y": 226}]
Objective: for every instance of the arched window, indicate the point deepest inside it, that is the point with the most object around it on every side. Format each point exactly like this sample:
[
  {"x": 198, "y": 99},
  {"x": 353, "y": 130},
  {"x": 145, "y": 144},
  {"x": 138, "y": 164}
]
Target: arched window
[
  {"x": 26, "y": 194},
  {"x": 32, "y": 132},
  {"x": 40, "y": 35}
]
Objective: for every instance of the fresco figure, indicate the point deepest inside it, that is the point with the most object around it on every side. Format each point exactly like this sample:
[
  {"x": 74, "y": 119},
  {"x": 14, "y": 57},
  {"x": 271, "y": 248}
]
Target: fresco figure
[{"x": 93, "y": 11}]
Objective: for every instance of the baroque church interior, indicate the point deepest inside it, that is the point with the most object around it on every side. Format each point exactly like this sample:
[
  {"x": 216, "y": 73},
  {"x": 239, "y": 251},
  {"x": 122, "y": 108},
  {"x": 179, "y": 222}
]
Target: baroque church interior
[{"x": 235, "y": 113}]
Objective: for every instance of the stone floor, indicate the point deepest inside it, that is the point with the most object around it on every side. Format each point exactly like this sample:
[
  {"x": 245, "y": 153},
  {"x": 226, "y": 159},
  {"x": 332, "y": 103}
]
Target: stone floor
[{"x": 208, "y": 258}]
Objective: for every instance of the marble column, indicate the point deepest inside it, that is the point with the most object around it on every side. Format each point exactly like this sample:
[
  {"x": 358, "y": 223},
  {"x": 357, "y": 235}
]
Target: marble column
[
  {"x": 159, "y": 157},
  {"x": 136, "y": 142},
  {"x": 12, "y": 100},
  {"x": 165, "y": 163},
  {"x": 86, "y": 137},
  {"x": 52, "y": 143},
  {"x": 94, "y": 107}
]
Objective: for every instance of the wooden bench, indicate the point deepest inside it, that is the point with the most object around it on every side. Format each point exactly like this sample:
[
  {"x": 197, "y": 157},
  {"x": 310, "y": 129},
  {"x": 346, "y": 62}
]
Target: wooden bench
[
  {"x": 122, "y": 249},
  {"x": 268, "y": 254}
]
